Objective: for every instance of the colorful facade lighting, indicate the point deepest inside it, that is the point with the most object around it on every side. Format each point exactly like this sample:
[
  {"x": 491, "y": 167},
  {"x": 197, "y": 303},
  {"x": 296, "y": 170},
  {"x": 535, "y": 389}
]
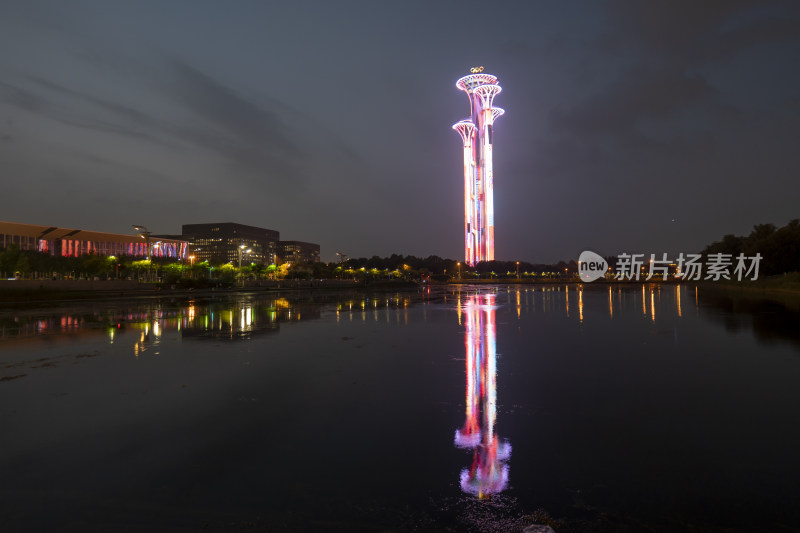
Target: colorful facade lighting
[{"x": 476, "y": 134}]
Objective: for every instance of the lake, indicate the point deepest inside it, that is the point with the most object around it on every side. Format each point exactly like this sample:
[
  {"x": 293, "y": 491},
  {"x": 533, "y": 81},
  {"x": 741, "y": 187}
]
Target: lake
[{"x": 607, "y": 408}]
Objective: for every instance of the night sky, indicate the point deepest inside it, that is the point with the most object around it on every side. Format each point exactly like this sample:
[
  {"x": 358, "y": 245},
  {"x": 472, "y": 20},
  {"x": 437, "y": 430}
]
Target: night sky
[{"x": 636, "y": 126}]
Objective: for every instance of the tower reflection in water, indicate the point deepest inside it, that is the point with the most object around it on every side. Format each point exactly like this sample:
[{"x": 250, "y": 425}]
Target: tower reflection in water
[{"x": 488, "y": 473}]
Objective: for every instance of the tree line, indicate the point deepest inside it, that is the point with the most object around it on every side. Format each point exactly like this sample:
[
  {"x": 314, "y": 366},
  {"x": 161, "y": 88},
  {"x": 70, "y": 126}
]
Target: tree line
[
  {"x": 435, "y": 265},
  {"x": 31, "y": 264},
  {"x": 779, "y": 247}
]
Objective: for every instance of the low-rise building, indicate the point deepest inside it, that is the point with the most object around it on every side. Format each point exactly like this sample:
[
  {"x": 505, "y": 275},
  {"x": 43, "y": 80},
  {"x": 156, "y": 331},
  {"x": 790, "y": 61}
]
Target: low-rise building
[
  {"x": 70, "y": 242},
  {"x": 222, "y": 242},
  {"x": 298, "y": 252}
]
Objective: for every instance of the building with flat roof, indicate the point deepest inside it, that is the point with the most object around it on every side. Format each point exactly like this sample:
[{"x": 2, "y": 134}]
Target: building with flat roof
[
  {"x": 221, "y": 242},
  {"x": 298, "y": 252},
  {"x": 69, "y": 242}
]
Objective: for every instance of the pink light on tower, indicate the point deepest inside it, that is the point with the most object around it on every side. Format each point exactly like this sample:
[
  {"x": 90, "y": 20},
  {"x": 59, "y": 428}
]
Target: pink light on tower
[{"x": 476, "y": 133}]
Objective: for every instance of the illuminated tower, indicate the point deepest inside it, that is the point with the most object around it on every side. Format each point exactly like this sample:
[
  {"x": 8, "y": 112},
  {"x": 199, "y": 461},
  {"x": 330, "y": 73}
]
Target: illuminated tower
[{"x": 476, "y": 132}]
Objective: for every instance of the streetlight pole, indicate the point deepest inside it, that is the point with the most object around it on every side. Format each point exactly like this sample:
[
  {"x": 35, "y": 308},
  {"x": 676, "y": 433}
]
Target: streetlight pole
[
  {"x": 241, "y": 251},
  {"x": 145, "y": 234},
  {"x": 458, "y": 264},
  {"x": 156, "y": 246},
  {"x": 517, "y": 269}
]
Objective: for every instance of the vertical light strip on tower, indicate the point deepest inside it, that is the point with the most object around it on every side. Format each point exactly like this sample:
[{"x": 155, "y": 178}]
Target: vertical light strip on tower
[{"x": 476, "y": 132}]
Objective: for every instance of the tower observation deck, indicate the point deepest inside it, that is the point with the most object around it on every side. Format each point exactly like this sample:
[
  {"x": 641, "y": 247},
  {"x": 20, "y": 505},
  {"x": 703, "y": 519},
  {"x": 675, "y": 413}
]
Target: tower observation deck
[{"x": 476, "y": 133}]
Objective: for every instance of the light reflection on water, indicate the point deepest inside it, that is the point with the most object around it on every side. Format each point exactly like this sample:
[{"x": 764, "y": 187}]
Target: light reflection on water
[
  {"x": 488, "y": 473},
  {"x": 238, "y": 318},
  {"x": 242, "y": 317},
  {"x": 607, "y": 410}
]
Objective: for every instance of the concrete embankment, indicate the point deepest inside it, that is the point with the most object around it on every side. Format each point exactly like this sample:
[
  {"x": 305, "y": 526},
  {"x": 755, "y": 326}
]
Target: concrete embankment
[
  {"x": 132, "y": 285},
  {"x": 17, "y": 292},
  {"x": 71, "y": 285}
]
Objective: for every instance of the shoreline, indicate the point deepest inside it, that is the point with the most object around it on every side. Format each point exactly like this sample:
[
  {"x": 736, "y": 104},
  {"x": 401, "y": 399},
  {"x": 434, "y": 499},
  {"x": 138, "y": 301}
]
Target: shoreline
[{"x": 21, "y": 292}]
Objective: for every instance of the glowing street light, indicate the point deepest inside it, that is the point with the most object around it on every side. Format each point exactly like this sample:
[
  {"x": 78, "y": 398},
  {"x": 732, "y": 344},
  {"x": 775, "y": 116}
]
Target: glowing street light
[
  {"x": 144, "y": 234},
  {"x": 113, "y": 259},
  {"x": 242, "y": 251}
]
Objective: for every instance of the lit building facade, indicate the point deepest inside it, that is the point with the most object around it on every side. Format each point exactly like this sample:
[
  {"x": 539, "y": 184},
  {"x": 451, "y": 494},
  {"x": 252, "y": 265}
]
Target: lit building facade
[
  {"x": 298, "y": 252},
  {"x": 476, "y": 133},
  {"x": 68, "y": 242},
  {"x": 221, "y": 242}
]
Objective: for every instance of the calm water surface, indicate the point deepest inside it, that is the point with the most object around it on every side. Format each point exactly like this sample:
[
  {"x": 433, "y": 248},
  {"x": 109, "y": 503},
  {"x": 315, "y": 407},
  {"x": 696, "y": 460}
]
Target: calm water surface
[{"x": 457, "y": 409}]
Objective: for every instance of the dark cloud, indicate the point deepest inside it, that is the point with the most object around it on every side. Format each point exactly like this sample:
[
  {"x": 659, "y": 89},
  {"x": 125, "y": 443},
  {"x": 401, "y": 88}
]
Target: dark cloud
[
  {"x": 332, "y": 122},
  {"x": 641, "y": 94},
  {"x": 245, "y": 122},
  {"x": 22, "y": 98},
  {"x": 257, "y": 142},
  {"x": 63, "y": 105},
  {"x": 127, "y": 113}
]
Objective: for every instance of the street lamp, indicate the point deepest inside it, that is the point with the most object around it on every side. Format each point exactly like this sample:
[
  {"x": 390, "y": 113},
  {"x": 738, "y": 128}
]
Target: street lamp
[
  {"x": 159, "y": 252},
  {"x": 144, "y": 234},
  {"x": 113, "y": 260},
  {"x": 458, "y": 264},
  {"x": 242, "y": 251},
  {"x": 517, "y": 269}
]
